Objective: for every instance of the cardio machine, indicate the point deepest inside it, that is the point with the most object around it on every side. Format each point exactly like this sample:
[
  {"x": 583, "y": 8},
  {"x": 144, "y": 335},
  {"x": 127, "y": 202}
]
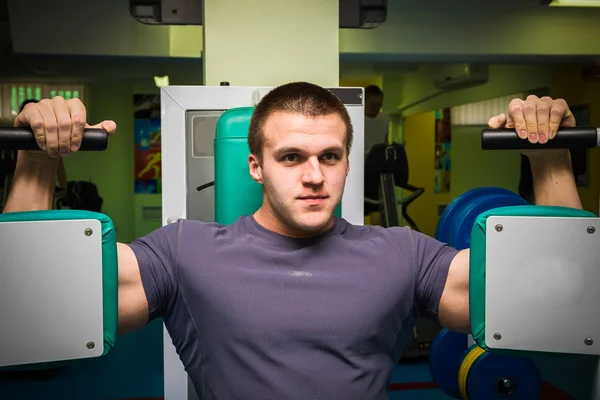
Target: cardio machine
[{"x": 386, "y": 168}]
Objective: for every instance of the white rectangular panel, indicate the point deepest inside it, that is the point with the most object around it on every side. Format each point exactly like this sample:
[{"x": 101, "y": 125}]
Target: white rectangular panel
[
  {"x": 542, "y": 277},
  {"x": 50, "y": 291}
]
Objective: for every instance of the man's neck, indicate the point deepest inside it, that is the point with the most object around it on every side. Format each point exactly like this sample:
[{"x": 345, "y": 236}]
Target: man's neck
[{"x": 266, "y": 218}]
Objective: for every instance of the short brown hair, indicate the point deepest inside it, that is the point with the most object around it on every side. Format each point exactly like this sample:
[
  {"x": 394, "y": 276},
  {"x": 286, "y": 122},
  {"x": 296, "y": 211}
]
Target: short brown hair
[{"x": 300, "y": 98}]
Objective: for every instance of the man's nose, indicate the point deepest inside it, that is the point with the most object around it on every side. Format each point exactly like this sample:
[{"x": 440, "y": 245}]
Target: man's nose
[{"x": 312, "y": 174}]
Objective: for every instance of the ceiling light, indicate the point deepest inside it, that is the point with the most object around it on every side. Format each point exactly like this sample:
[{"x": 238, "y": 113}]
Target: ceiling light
[
  {"x": 161, "y": 81},
  {"x": 573, "y": 3}
]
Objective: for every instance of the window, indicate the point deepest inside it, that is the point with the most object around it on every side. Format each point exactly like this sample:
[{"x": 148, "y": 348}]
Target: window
[
  {"x": 12, "y": 95},
  {"x": 479, "y": 113}
]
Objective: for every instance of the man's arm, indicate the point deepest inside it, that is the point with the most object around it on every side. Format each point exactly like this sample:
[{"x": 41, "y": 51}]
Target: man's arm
[
  {"x": 33, "y": 189},
  {"x": 554, "y": 184}
]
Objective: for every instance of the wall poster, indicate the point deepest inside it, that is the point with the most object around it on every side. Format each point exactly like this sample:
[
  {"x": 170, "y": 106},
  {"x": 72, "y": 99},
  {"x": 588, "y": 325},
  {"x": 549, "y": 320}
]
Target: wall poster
[
  {"x": 147, "y": 143},
  {"x": 443, "y": 140}
]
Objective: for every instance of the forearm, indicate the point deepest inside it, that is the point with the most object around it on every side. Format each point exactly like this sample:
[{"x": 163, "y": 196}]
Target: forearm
[
  {"x": 33, "y": 184},
  {"x": 553, "y": 181}
]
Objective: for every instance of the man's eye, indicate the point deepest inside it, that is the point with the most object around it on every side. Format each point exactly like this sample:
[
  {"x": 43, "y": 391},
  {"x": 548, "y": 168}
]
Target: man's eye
[
  {"x": 291, "y": 157},
  {"x": 330, "y": 156}
]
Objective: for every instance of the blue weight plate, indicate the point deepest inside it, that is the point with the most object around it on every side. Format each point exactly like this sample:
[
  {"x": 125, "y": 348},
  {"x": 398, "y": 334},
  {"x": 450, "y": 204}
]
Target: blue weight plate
[
  {"x": 456, "y": 222},
  {"x": 465, "y": 221},
  {"x": 442, "y": 232},
  {"x": 494, "y": 376},
  {"x": 445, "y": 358}
]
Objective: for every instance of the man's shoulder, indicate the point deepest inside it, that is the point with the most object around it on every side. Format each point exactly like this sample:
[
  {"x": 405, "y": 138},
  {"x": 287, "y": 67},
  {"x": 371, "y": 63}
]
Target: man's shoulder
[
  {"x": 207, "y": 229},
  {"x": 393, "y": 236}
]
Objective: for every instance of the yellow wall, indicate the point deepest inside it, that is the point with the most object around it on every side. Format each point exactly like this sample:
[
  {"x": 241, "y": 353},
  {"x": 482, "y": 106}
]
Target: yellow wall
[
  {"x": 419, "y": 134},
  {"x": 567, "y": 84}
]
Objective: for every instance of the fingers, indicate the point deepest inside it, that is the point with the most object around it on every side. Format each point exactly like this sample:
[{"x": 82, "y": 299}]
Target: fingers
[
  {"x": 538, "y": 120},
  {"x": 560, "y": 115},
  {"x": 543, "y": 119},
  {"x": 109, "y": 126},
  {"x": 77, "y": 114},
  {"x": 497, "y": 122},
  {"x": 501, "y": 121},
  {"x": 510, "y": 124},
  {"x": 530, "y": 117},
  {"x": 58, "y": 124},
  {"x": 65, "y": 126},
  {"x": 50, "y": 127},
  {"x": 31, "y": 116},
  {"x": 515, "y": 113}
]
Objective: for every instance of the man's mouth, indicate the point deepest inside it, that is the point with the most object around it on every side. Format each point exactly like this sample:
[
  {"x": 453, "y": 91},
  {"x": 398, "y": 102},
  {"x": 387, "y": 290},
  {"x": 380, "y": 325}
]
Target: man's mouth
[{"x": 313, "y": 200}]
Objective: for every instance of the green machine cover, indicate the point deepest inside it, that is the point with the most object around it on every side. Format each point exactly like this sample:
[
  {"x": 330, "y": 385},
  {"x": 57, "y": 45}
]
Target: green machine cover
[
  {"x": 109, "y": 269},
  {"x": 477, "y": 276},
  {"x": 236, "y": 194}
]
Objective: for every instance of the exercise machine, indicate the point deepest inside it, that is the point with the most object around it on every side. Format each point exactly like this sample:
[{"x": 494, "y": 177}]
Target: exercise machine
[
  {"x": 72, "y": 325},
  {"x": 386, "y": 169},
  {"x": 533, "y": 273}
]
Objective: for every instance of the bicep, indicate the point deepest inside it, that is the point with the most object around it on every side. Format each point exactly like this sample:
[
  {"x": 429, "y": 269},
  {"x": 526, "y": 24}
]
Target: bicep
[
  {"x": 454, "y": 303},
  {"x": 133, "y": 303}
]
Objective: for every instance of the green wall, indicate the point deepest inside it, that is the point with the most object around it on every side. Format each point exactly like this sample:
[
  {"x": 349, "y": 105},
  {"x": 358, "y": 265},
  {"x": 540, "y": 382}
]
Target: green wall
[
  {"x": 473, "y": 167},
  {"x": 503, "y": 80},
  {"x": 113, "y": 170}
]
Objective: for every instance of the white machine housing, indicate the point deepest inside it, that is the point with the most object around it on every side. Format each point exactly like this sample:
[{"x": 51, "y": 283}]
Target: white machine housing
[{"x": 188, "y": 121}]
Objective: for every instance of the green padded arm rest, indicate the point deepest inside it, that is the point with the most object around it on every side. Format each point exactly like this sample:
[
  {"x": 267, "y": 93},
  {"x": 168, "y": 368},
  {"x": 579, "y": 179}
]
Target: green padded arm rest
[{"x": 109, "y": 267}]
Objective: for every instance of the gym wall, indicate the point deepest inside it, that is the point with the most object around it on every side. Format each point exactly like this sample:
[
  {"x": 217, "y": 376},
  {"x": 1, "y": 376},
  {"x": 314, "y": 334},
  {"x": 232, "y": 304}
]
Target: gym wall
[
  {"x": 471, "y": 167},
  {"x": 568, "y": 84}
]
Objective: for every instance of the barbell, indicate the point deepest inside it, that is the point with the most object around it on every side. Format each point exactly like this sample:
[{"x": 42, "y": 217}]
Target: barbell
[{"x": 93, "y": 139}]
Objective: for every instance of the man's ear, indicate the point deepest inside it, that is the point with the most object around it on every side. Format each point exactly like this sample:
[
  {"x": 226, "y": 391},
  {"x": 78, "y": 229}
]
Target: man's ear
[
  {"x": 347, "y": 165},
  {"x": 255, "y": 168}
]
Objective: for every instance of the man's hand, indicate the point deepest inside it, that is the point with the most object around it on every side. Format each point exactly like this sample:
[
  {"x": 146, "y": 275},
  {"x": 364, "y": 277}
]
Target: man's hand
[
  {"x": 536, "y": 120},
  {"x": 58, "y": 125}
]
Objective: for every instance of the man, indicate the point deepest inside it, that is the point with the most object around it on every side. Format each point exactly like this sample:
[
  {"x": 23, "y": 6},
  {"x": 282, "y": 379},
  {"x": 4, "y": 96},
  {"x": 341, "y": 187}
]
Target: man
[
  {"x": 290, "y": 302},
  {"x": 377, "y": 123},
  {"x": 377, "y": 126}
]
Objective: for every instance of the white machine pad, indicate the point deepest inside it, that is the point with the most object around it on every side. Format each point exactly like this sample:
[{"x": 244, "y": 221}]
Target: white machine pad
[
  {"x": 543, "y": 284},
  {"x": 50, "y": 291}
]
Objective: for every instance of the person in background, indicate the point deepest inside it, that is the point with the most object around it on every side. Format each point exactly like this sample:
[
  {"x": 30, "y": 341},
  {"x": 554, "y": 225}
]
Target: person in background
[
  {"x": 376, "y": 132},
  {"x": 377, "y": 123}
]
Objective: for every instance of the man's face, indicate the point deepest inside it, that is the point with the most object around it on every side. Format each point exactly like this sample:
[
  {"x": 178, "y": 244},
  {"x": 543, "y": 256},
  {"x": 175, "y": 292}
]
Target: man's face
[
  {"x": 373, "y": 104},
  {"x": 303, "y": 171}
]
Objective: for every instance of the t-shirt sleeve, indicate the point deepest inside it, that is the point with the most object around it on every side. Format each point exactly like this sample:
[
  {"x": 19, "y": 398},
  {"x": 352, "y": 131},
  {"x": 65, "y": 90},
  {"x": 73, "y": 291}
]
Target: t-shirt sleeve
[
  {"x": 432, "y": 259},
  {"x": 156, "y": 255}
]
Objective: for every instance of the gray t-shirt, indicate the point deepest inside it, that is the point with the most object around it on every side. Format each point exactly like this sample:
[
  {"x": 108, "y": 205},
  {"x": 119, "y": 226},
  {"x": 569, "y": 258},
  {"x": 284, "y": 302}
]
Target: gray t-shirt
[{"x": 257, "y": 315}]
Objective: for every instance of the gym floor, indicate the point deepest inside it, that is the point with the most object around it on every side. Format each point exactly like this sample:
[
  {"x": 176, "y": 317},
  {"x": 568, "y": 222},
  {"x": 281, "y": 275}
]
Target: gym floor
[{"x": 412, "y": 381}]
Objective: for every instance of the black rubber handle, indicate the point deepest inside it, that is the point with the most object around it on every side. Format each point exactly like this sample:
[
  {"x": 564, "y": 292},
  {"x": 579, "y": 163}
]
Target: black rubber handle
[
  {"x": 566, "y": 138},
  {"x": 23, "y": 139}
]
